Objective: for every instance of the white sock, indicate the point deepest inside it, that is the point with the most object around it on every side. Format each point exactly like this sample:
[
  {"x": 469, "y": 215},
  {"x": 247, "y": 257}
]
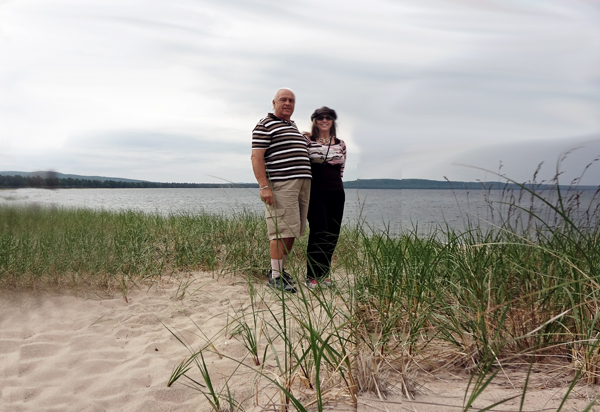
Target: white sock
[
  {"x": 276, "y": 267},
  {"x": 283, "y": 261}
]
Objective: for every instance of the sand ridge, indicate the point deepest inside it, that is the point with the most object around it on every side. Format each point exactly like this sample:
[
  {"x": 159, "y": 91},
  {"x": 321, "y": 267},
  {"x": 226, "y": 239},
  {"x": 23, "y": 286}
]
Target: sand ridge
[{"x": 64, "y": 353}]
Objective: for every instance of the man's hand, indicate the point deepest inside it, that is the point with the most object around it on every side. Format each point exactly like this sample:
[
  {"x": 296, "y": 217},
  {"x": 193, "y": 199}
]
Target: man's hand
[{"x": 267, "y": 196}]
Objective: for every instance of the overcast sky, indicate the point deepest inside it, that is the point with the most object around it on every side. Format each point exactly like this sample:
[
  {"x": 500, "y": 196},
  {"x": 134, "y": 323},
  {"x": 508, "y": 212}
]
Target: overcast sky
[{"x": 169, "y": 90}]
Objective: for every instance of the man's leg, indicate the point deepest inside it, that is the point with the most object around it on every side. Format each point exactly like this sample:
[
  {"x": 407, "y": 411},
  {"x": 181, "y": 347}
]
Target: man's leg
[
  {"x": 285, "y": 221},
  {"x": 279, "y": 251}
]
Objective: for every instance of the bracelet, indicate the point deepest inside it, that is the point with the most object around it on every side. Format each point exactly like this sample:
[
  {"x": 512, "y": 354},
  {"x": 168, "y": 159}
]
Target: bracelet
[{"x": 264, "y": 187}]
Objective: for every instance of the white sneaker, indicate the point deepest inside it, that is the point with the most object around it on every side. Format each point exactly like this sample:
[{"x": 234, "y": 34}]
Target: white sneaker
[{"x": 311, "y": 283}]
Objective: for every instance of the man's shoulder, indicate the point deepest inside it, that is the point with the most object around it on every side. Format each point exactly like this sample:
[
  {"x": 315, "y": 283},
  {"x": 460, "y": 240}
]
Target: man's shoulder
[
  {"x": 269, "y": 117},
  {"x": 264, "y": 119},
  {"x": 271, "y": 122},
  {"x": 268, "y": 120}
]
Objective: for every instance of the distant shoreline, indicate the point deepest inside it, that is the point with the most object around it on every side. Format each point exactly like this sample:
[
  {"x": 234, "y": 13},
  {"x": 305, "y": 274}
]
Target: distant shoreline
[{"x": 52, "y": 180}]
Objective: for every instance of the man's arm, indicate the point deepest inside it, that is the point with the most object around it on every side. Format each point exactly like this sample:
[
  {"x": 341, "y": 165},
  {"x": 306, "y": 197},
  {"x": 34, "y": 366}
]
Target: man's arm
[{"x": 260, "y": 172}]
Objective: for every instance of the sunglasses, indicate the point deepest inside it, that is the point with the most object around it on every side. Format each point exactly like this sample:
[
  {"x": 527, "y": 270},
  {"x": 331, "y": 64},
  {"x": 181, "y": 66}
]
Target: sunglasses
[{"x": 324, "y": 118}]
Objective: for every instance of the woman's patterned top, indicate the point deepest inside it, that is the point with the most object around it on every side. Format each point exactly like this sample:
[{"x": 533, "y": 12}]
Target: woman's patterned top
[
  {"x": 327, "y": 172},
  {"x": 335, "y": 157}
]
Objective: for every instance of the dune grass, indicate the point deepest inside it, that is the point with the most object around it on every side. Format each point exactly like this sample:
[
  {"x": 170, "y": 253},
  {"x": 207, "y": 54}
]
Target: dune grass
[
  {"x": 75, "y": 248},
  {"x": 514, "y": 294}
]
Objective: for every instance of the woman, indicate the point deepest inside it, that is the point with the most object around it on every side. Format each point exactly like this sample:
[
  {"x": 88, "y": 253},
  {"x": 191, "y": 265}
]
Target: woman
[{"x": 327, "y": 156}]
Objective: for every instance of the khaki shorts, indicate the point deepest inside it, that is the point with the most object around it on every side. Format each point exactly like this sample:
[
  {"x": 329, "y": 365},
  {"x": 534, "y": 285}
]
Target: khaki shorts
[{"x": 287, "y": 217}]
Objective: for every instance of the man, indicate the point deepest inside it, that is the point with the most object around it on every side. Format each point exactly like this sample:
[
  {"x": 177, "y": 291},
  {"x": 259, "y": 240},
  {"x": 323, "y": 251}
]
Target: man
[{"x": 282, "y": 168}]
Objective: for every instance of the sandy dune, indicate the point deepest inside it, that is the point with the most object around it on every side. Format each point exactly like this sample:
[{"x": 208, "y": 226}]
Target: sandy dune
[{"x": 67, "y": 353}]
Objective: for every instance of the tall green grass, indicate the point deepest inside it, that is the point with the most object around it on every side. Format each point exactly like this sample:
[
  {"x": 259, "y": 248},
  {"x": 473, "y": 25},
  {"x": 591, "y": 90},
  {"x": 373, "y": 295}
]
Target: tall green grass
[
  {"x": 82, "y": 248},
  {"x": 487, "y": 299}
]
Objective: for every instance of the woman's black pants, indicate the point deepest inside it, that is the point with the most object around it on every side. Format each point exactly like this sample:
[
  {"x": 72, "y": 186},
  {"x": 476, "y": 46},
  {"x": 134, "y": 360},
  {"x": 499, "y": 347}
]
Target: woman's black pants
[{"x": 325, "y": 214}]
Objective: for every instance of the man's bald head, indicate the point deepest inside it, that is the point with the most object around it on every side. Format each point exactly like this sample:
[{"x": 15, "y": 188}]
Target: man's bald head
[
  {"x": 284, "y": 103},
  {"x": 280, "y": 90}
]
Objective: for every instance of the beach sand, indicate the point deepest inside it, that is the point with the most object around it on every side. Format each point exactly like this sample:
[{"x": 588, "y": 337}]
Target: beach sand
[{"x": 60, "y": 352}]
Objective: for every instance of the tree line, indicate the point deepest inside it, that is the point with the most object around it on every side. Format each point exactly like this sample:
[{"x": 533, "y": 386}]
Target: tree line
[{"x": 18, "y": 181}]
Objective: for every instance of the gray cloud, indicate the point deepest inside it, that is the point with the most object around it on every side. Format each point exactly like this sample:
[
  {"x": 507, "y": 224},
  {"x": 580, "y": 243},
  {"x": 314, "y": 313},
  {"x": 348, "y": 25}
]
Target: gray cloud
[{"x": 569, "y": 159}]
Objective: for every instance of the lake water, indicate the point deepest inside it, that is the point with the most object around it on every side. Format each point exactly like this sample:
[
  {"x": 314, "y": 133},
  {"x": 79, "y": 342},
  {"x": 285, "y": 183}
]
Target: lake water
[{"x": 394, "y": 209}]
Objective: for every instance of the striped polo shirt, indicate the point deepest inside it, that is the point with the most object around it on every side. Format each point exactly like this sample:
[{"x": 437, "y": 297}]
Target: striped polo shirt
[{"x": 286, "y": 155}]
